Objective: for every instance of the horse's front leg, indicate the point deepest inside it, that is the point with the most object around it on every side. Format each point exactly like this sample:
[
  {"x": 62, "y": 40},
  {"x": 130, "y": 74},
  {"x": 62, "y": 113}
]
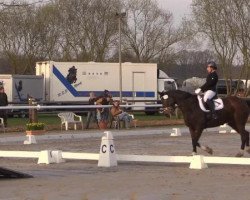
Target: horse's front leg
[{"x": 195, "y": 134}]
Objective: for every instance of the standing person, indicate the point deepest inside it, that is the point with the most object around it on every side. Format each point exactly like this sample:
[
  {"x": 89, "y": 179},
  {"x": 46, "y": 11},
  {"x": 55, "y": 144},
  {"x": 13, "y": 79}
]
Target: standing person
[
  {"x": 106, "y": 100},
  {"x": 209, "y": 88},
  {"x": 116, "y": 111},
  {"x": 103, "y": 113},
  {"x": 92, "y": 111},
  {"x": 106, "y": 93},
  {"x": 3, "y": 102}
]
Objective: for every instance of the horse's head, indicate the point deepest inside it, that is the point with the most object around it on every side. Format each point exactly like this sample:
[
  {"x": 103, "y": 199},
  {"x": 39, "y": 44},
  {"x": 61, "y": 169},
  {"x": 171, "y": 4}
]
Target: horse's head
[{"x": 168, "y": 102}]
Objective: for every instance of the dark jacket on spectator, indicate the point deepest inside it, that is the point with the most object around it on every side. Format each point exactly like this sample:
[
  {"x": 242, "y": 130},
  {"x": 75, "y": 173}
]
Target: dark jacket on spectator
[{"x": 3, "y": 99}]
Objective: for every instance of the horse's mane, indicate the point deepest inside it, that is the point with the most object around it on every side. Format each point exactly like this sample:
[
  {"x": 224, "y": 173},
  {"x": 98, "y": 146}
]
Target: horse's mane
[{"x": 181, "y": 94}]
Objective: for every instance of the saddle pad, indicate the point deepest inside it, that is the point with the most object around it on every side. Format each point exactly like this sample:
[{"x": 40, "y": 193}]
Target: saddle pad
[{"x": 217, "y": 102}]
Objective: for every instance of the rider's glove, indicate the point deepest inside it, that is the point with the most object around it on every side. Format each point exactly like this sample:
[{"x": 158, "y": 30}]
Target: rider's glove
[{"x": 197, "y": 91}]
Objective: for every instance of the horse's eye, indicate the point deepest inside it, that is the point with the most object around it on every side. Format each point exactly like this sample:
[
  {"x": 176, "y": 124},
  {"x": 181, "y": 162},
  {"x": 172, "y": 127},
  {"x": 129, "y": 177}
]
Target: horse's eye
[{"x": 165, "y": 97}]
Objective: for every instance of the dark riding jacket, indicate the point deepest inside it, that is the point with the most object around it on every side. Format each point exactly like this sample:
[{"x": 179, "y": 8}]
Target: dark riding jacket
[{"x": 211, "y": 82}]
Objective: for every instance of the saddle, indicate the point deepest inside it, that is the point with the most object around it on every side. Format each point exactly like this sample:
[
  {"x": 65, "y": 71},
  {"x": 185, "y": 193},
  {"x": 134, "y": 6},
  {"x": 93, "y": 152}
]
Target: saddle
[{"x": 218, "y": 103}]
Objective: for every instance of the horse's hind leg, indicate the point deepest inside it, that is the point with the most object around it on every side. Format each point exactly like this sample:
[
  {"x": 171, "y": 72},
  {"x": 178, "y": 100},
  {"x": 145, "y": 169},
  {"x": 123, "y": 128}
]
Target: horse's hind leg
[
  {"x": 244, "y": 141},
  {"x": 247, "y": 142},
  {"x": 244, "y": 138}
]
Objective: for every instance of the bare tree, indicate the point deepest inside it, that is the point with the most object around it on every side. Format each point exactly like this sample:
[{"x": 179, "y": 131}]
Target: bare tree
[
  {"x": 88, "y": 28},
  {"x": 11, "y": 36},
  {"x": 238, "y": 19},
  {"x": 149, "y": 33},
  {"x": 47, "y": 25},
  {"x": 84, "y": 30},
  {"x": 209, "y": 16},
  {"x": 26, "y": 35}
]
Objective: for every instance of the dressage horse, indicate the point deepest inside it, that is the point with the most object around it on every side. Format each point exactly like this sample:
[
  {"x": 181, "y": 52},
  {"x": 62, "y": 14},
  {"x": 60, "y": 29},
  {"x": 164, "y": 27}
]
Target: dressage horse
[{"x": 235, "y": 114}]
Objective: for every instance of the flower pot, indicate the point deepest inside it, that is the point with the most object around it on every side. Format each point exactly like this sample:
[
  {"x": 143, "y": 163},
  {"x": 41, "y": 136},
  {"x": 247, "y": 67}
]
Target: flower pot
[
  {"x": 35, "y": 132},
  {"x": 103, "y": 125}
]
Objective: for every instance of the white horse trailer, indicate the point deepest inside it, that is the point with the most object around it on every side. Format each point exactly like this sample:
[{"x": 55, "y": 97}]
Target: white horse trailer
[{"x": 73, "y": 81}]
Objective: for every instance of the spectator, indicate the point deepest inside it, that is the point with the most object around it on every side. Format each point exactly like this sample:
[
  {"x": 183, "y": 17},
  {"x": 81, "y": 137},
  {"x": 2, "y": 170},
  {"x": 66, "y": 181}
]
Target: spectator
[
  {"x": 116, "y": 111},
  {"x": 92, "y": 111},
  {"x": 104, "y": 99},
  {"x": 106, "y": 94},
  {"x": 3, "y": 102}
]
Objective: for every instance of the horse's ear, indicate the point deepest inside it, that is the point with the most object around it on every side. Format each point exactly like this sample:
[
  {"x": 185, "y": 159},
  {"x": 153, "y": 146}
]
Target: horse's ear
[{"x": 162, "y": 93}]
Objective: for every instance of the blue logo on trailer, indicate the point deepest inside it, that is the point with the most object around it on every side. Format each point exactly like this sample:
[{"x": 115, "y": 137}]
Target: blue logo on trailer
[
  {"x": 19, "y": 88},
  {"x": 76, "y": 93}
]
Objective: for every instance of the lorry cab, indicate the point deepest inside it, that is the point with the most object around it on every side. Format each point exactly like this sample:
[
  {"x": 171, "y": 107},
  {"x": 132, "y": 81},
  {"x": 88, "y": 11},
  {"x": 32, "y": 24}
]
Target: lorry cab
[
  {"x": 167, "y": 84},
  {"x": 164, "y": 82}
]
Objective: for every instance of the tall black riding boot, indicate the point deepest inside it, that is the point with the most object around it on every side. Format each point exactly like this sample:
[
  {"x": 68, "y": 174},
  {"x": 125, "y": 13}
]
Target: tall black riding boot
[{"x": 210, "y": 104}]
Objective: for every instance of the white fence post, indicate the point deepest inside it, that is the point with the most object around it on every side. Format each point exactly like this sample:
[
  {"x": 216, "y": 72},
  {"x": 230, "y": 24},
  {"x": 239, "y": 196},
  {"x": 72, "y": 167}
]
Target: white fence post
[
  {"x": 107, "y": 156},
  {"x": 30, "y": 139},
  {"x": 198, "y": 162}
]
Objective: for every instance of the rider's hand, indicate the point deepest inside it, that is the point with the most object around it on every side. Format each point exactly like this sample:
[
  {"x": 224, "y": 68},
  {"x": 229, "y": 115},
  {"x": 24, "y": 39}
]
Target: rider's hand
[{"x": 197, "y": 91}]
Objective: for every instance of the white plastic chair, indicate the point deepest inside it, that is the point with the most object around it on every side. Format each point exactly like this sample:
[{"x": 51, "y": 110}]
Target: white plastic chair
[
  {"x": 2, "y": 124},
  {"x": 70, "y": 118},
  {"x": 134, "y": 121}
]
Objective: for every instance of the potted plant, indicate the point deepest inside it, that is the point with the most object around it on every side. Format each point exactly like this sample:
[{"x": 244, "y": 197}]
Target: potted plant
[{"x": 35, "y": 128}]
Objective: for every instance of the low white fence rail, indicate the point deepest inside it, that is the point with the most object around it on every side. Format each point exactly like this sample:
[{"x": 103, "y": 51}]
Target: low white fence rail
[{"x": 39, "y": 107}]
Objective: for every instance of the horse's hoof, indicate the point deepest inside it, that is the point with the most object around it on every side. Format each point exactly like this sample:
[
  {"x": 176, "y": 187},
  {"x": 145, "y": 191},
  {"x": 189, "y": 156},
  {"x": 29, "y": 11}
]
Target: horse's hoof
[
  {"x": 194, "y": 153},
  {"x": 209, "y": 150},
  {"x": 248, "y": 150},
  {"x": 240, "y": 154}
]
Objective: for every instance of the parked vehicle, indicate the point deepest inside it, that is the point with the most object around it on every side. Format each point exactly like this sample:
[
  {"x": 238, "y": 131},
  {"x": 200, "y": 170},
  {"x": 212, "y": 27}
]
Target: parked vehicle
[
  {"x": 222, "y": 86},
  {"x": 20, "y": 87}
]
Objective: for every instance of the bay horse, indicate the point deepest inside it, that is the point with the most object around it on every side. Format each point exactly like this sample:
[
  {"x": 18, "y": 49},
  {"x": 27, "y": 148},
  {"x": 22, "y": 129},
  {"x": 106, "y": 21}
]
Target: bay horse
[{"x": 235, "y": 113}]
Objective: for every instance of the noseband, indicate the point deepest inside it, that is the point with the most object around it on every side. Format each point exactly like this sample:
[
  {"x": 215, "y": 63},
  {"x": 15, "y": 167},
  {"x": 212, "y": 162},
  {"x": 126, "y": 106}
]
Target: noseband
[{"x": 169, "y": 109}]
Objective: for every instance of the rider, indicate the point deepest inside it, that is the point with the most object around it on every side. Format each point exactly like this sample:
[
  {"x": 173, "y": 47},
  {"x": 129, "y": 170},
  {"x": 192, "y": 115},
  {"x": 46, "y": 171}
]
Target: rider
[{"x": 209, "y": 88}]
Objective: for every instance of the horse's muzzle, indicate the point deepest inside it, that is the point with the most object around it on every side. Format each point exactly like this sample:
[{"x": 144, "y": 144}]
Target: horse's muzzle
[{"x": 168, "y": 110}]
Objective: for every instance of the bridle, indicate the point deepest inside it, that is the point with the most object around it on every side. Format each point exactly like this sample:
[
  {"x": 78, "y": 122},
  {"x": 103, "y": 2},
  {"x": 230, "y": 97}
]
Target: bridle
[{"x": 168, "y": 109}]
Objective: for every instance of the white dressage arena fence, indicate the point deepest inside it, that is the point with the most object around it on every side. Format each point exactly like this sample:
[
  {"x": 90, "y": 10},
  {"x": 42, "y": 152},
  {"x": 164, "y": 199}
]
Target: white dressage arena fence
[
  {"x": 39, "y": 107},
  {"x": 107, "y": 156}
]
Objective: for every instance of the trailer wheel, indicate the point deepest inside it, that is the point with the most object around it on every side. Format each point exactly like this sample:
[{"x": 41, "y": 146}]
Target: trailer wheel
[
  {"x": 23, "y": 115},
  {"x": 151, "y": 111}
]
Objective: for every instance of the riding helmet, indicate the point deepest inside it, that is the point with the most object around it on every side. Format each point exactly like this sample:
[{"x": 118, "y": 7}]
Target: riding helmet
[{"x": 212, "y": 64}]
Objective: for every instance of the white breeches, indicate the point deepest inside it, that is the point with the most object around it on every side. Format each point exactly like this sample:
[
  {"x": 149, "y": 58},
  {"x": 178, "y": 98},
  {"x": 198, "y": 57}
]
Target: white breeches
[{"x": 208, "y": 95}]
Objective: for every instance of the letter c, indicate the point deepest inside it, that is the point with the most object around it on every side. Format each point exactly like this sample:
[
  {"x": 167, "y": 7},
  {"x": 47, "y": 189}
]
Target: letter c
[
  {"x": 112, "y": 150},
  {"x": 104, "y": 150}
]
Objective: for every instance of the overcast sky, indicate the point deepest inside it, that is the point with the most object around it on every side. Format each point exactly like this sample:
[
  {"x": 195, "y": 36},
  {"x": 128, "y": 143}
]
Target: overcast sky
[{"x": 179, "y": 8}]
